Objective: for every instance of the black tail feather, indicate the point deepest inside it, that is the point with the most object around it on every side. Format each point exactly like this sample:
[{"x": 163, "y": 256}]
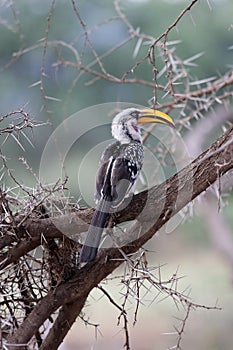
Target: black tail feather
[
  {"x": 88, "y": 254},
  {"x": 95, "y": 230}
]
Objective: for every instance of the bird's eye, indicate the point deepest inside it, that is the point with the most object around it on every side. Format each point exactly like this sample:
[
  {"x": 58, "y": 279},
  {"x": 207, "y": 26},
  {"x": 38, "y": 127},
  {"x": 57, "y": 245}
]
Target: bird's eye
[{"x": 135, "y": 114}]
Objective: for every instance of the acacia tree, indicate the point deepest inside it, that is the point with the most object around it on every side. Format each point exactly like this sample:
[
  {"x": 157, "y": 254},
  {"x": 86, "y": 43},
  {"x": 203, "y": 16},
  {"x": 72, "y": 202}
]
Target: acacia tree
[{"x": 43, "y": 289}]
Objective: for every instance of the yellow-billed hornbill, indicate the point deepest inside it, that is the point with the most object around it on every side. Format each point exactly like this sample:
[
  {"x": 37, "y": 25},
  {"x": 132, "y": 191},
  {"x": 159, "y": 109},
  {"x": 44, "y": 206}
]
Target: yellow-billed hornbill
[{"x": 119, "y": 168}]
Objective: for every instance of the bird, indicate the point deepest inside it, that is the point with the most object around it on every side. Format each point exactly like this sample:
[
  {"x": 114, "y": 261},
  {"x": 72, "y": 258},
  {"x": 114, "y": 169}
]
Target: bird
[{"x": 119, "y": 167}]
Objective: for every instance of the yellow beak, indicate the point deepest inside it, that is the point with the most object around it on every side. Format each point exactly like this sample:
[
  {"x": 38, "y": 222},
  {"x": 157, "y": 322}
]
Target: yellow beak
[{"x": 155, "y": 116}]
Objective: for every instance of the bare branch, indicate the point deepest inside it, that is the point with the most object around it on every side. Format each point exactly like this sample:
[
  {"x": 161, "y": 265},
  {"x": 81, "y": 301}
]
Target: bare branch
[{"x": 197, "y": 176}]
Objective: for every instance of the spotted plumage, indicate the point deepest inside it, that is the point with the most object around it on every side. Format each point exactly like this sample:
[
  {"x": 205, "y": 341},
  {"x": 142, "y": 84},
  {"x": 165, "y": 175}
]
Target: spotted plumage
[{"x": 125, "y": 161}]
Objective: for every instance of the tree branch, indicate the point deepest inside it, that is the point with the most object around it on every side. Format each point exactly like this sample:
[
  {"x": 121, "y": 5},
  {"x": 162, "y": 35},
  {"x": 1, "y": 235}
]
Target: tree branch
[{"x": 65, "y": 319}]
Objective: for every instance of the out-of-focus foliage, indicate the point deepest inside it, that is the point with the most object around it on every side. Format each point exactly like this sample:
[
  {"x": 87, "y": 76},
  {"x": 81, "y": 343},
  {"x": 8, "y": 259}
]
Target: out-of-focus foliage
[
  {"x": 23, "y": 29},
  {"x": 204, "y": 30}
]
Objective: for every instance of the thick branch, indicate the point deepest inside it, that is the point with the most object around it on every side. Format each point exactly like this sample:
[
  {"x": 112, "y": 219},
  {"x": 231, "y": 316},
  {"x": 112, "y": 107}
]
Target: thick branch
[
  {"x": 167, "y": 198},
  {"x": 35, "y": 231},
  {"x": 65, "y": 319}
]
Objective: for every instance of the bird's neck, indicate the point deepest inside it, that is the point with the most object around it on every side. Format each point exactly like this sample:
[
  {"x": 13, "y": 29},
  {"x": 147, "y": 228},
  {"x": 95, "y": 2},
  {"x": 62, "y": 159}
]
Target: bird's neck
[
  {"x": 125, "y": 140},
  {"x": 127, "y": 135}
]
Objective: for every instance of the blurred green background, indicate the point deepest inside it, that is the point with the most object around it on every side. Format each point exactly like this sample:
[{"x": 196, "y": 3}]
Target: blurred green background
[{"x": 207, "y": 28}]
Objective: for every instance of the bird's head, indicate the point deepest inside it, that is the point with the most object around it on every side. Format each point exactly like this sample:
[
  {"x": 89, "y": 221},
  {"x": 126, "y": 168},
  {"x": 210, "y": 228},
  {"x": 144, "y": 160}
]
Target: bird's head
[{"x": 126, "y": 124}]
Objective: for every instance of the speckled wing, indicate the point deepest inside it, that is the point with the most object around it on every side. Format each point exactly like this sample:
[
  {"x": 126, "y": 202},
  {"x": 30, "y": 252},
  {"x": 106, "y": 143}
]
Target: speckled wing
[
  {"x": 105, "y": 167},
  {"x": 123, "y": 176},
  {"x": 125, "y": 170},
  {"x": 119, "y": 167}
]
